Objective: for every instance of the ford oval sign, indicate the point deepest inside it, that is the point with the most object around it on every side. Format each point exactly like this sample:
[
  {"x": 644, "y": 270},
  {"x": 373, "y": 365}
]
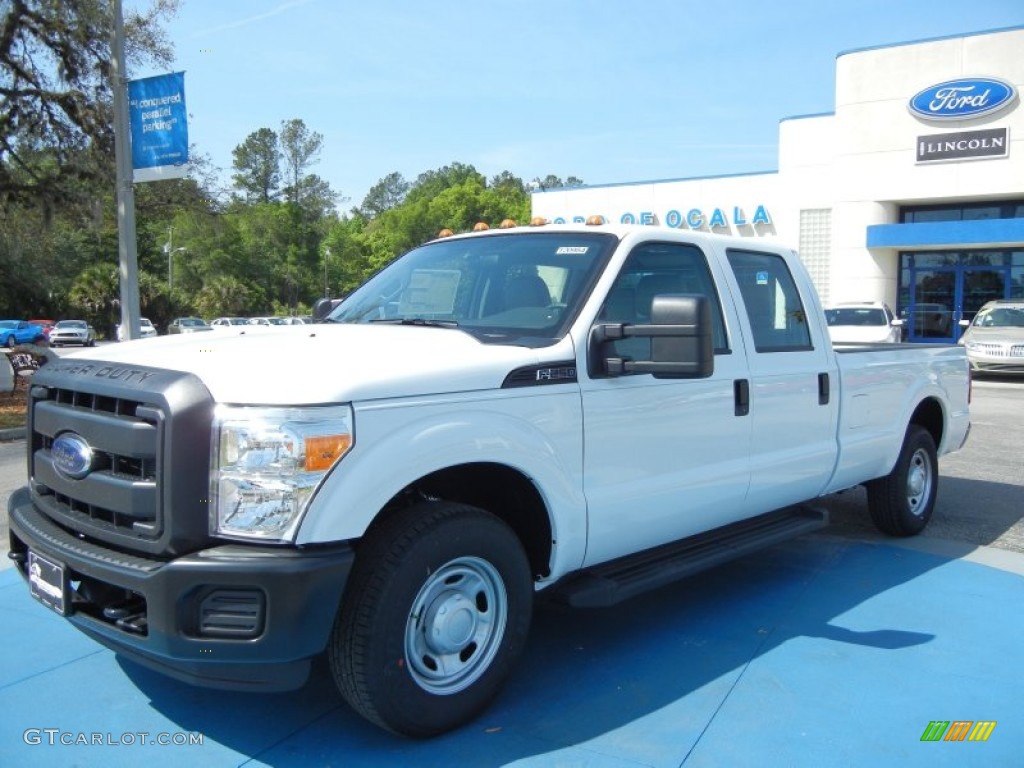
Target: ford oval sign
[
  {"x": 72, "y": 456},
  {"x": 962, "y": 99}
]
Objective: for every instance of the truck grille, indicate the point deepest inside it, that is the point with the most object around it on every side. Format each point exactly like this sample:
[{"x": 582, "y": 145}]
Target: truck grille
[{"x": 114, "y": 451}]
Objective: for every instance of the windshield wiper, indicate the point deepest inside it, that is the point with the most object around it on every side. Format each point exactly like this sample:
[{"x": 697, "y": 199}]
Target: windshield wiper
[{"x": 417, "y": 321}]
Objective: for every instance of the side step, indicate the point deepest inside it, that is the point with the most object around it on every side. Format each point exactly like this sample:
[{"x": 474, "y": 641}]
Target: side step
[{"x": 618, "y": 580}]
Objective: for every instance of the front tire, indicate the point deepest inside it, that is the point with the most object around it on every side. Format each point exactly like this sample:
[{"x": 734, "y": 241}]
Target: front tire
[
  {"x": 435, "y": 614},
  {"x": 902, "y": 502}
]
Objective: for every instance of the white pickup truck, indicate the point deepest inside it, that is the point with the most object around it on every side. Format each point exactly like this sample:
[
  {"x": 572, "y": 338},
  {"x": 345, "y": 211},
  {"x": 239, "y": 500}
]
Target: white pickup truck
[{"x": 585, "y": 412}]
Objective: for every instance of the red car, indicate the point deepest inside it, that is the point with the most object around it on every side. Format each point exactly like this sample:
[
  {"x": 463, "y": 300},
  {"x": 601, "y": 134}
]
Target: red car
[{"x": 47, "y": 326}]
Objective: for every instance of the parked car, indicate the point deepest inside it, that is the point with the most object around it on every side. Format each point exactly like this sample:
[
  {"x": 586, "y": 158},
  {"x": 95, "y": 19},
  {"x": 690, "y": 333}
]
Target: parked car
[
  {"x": 863, "y": 322},
  {"x": 267, "y": 321},
  {"x": 188, "y": 325},
  {"x": 146, "y": 328},
  {"x": 994, "y": 340},
  {"x": 228, "y": 322},
  {"x": 15, "y": 332},
  {"x": 73, "y": 332},
  {"x": 47, "y": 325}
]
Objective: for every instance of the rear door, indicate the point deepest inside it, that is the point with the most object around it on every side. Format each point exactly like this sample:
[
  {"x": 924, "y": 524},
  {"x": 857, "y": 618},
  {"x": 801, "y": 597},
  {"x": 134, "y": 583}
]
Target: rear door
[{"x": 793, "y": 381}]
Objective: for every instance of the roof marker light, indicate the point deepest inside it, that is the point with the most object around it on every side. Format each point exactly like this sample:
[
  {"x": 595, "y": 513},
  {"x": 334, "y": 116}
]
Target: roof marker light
[
  {"x": 480, "y": 226},
  {"x": 594, "y": 221},
  {"x": 445, "y": 233},
  {"x": 507, "y": 224},
  {"x": 538, "y": 221}
]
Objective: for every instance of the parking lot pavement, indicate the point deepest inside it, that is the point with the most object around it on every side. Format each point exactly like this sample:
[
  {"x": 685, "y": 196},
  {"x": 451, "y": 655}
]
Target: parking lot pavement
[{"x": 820, "y": 651}]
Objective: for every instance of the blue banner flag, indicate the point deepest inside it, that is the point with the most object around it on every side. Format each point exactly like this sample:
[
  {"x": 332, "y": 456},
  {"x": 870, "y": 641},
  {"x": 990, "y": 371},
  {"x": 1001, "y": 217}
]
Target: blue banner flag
[{"x": 159, "y": 123}]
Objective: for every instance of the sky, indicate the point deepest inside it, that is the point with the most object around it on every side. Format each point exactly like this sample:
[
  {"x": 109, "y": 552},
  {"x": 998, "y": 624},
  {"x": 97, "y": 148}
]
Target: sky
[{"x": 610, "y": 92}]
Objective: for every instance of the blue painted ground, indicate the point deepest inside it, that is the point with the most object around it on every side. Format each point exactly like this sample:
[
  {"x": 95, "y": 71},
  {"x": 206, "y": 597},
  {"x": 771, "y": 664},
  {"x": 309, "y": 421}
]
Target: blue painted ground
[{"x": 819, "y": 652}]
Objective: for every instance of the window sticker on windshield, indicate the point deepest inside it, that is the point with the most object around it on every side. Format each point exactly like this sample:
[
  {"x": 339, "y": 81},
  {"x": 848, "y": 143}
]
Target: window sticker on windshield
[
  {"x": 567, "y": 250},
  {"x": 430, "y": 292},
  {"x": 762, "y": 278}
]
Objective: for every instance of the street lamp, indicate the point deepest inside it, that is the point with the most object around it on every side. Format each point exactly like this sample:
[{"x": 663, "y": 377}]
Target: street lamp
[
  {"x": 327, "y": 290},
  {"x": 170, "y": 267},
  {"x": 170, "y": 250}
]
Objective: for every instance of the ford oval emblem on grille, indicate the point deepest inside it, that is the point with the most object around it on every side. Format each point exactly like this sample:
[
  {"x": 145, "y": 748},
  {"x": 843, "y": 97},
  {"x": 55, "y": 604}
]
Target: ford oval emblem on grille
[{"x": 72, "y": 456}]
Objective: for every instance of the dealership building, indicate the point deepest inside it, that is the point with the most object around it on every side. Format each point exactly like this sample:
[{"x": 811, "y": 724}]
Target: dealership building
[{"x": 911, "y": 192}]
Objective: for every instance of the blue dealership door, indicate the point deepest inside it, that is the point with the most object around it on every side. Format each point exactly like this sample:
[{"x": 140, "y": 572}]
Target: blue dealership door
[{"x": 940, "y": 297}]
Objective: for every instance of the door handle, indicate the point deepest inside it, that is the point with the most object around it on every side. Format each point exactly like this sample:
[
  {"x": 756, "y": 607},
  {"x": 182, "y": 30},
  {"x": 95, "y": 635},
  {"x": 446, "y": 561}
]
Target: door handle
[
  {"x": 823, "y": 389},
  {"x": 741, "y": 396}
]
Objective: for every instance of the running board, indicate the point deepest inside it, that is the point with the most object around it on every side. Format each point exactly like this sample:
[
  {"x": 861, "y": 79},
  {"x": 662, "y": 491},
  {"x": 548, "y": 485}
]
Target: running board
[{"x": 618, "y": 580}]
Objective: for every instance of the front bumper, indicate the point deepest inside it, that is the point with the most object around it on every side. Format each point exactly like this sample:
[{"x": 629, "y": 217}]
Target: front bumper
[{"x": 232, "y": 616}]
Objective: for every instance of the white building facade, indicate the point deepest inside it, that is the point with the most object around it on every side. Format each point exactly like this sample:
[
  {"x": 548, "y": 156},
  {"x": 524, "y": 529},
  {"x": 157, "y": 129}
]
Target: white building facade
[{"x": 911, "y": 192}]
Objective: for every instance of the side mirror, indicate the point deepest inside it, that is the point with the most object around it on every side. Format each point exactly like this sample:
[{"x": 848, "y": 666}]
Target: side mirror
[
  {"x": 898, "y": 322},
  {"x": 323, "y": 308},
  {"x": 682, "y": 346},
  {"x": 964, "y": 323}
]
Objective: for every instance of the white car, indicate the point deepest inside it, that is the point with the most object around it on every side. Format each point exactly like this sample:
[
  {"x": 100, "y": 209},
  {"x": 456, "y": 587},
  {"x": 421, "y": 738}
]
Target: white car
[
  {"x": 146, "y": 330},
  {"x": 267, "y": 321},
  {"x": 863, "y": 323},
  {"x": 72, "y": 332},
  {"x": 228, "y": 322}
]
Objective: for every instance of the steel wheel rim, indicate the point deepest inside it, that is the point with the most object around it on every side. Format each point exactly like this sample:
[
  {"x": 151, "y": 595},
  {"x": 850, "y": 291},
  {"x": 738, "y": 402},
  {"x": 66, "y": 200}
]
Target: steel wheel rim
[
  {"x": 456, "y": 625},
  {"x": 920, "y": 478}
]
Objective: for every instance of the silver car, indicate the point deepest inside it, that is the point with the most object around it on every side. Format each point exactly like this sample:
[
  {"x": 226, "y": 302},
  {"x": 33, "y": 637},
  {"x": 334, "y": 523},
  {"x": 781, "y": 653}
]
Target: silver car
[
  {"x": 995, "y": 338},
  {"x": 72, "y": 332}
]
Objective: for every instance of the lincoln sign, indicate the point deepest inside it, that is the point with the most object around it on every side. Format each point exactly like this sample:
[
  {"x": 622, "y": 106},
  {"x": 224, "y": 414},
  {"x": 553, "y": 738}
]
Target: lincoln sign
[{"x": 965, "y": 145}]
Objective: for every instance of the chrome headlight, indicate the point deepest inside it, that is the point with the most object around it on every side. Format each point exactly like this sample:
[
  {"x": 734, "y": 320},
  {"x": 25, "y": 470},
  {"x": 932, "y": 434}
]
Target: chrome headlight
[{"x": 267, "y": 462}]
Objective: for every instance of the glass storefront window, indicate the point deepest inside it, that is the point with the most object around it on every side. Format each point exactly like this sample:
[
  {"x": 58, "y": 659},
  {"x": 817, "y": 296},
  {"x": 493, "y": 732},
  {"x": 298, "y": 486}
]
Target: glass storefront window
[
  {"x": 938, "y": 289},
  {"x": 990, "y": 209}
]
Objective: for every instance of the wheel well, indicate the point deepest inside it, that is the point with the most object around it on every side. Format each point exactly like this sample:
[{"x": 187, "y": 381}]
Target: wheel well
[
  {"x": 928, "y": 414},
  {"x": 501, "y": 490}
]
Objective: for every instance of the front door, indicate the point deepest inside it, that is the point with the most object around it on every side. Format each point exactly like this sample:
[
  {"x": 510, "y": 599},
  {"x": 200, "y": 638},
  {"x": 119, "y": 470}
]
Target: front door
[{"x": 664, "y": 458}]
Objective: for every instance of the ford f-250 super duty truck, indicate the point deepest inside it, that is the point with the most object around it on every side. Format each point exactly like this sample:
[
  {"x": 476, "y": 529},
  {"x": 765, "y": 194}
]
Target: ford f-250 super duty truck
[{"x": 587, "y": 411}]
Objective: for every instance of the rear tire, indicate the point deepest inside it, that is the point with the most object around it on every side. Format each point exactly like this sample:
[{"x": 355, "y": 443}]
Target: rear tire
[
  {"x": 435, "y": 614},
  {"x": 902, "y": 502}
]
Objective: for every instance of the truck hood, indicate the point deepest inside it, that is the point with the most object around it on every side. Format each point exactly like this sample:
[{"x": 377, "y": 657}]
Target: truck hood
[{"x": 326, "y": 363}]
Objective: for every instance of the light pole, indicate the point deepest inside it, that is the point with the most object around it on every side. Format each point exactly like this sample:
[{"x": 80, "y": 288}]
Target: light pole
[
  {"x": 170, "y": 264},
  {"x": 327, "y": 289}
]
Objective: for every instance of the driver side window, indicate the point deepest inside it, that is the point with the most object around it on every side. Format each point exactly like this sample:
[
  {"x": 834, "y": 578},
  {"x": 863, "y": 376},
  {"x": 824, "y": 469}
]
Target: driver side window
[{"x": 653, "y": 269}]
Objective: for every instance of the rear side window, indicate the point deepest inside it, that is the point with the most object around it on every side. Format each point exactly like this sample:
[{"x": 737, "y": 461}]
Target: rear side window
[{"x": 777, "y": 317}]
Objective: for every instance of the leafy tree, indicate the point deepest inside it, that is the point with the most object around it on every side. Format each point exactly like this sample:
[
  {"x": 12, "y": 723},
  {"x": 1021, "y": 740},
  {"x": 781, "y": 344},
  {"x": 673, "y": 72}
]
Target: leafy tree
[
  {"x": 553, "y": 182},
  {"x": 387, "y": 193},
  {"x": 257, "y": 164},
  {"x": 431, "y": 183},
  {"x": 223, "y": 295},
  {"x": 55, "y": 96},
  {"x": 507, "y": 181},
  {"x": 300, "y": 148},
  {"x": 94, "y": 294}
]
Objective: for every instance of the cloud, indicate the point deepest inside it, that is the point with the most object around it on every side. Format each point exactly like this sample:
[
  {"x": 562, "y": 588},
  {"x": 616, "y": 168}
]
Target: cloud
[{"x": 276, "y": 11}]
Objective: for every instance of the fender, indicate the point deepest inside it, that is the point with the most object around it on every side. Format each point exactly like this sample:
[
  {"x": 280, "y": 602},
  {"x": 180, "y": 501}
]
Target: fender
[{"x": 396, "y": 443}]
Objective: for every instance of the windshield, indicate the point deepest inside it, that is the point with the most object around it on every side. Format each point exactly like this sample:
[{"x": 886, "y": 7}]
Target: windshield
[
  {"x": 71, "y": 324},
  {"x": 526, "y": 287},
  {"x": 855, "y": 316},
  {"x": 1001, "y": 317}
]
